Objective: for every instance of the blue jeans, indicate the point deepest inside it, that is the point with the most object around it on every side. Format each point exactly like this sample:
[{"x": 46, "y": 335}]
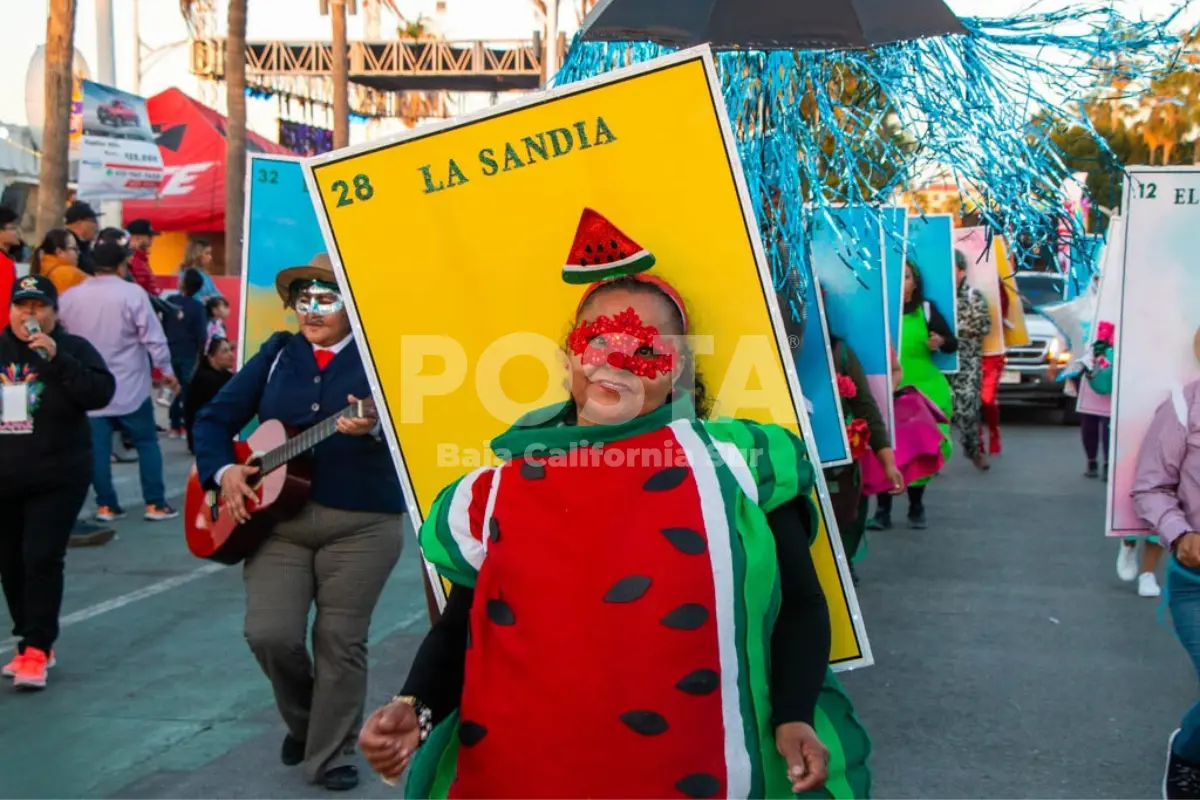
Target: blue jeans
[
  {"x": 183, "y": 369},
  {"x": 1183, "y": 596},
  {"x": 143, "y": 431}
]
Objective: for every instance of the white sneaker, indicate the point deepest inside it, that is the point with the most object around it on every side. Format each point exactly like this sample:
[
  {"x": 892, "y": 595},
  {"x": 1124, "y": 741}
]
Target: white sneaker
[
  {"x": 1127, "y": 562},
  {"x": 1148, "y": 585}
]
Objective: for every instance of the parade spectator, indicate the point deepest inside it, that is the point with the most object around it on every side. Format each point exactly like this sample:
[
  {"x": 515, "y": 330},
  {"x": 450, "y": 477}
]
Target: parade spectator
[
  {"x": 10, "y": 237},
  {"x": 214, "y": 371},
  {"x": 974, "y": 323},
  {"x": 57, "y": 257},
  {"x": 116, "y": 317},
  {"x": 83, "y": 222},
  {"x": 923, "y": 331},
  {"x": 186, "y": 335},
  {"x": 199, "y": 256},
  {"x": 50, "y": 380},
  {"x": 141, "y": 239},
  {"x": 341, "y": 548},
  {"x": 217, "y": 311},
  {"x": 1166, "y": 494}
]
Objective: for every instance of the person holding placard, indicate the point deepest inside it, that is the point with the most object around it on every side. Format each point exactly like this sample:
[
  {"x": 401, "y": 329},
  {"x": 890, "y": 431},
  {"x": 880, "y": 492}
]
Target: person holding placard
[
  {"x": 974, "y": 323},
  {"x": 49, "y": 381},
  {"x": 923, "y": 331},
  {"x": 1166, "y": 495},
  {"x": 634, "y": 611}
]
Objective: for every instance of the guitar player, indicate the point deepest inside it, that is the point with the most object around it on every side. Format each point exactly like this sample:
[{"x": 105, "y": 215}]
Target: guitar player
[{"x": 338, "y": 551}]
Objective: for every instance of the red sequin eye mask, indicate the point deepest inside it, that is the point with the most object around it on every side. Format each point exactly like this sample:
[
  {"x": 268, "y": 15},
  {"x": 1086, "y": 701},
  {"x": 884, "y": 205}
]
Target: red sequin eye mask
[{"x": 623, "y": 342}]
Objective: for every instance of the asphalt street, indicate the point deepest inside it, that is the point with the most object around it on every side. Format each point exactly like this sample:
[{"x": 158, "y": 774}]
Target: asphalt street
[{"x": 1010, "y": 660}]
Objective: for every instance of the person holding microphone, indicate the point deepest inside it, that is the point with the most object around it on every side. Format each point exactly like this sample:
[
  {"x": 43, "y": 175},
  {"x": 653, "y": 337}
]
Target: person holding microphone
[{"x": 49, "y": 380}]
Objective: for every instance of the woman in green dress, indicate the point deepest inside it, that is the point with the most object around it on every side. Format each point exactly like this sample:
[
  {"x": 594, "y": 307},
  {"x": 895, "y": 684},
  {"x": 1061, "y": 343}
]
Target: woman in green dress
[{"x": 923, "y": 332}]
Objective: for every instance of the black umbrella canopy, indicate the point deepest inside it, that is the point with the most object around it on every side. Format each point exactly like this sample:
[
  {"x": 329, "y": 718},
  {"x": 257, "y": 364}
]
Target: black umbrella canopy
[{"x": 770, "y": 24}]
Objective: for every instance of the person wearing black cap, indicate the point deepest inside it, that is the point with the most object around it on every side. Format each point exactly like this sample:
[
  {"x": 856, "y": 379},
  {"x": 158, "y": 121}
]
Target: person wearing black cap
[
  {"x": 83, "y": 221},
  {"x": 10, "y": 237},
  {"x": 50, "y": 380},
  {"x": 141, "y": 239}
]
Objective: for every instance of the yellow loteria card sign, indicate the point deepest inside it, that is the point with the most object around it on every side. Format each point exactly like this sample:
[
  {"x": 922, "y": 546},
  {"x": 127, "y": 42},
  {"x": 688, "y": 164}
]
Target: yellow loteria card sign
[{"x": 450, "y": 243}]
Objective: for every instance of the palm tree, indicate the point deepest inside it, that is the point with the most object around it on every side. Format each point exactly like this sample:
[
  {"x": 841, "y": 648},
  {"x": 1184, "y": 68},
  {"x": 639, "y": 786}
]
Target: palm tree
[
  {"x": 60, "y": 51},
  {"x": 341, "y": 76},
  {"x": 235, "y": 132}
]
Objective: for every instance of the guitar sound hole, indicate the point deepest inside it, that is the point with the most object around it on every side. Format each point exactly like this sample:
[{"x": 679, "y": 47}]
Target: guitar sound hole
[{"x": 253, "y": 481}]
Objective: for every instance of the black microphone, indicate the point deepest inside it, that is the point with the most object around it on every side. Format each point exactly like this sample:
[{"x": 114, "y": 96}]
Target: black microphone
[{"x": 32, "y": 327}]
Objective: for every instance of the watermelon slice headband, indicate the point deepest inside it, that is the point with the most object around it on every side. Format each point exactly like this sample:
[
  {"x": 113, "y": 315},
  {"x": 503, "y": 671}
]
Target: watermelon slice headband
[{"x": 601, "y": 252}]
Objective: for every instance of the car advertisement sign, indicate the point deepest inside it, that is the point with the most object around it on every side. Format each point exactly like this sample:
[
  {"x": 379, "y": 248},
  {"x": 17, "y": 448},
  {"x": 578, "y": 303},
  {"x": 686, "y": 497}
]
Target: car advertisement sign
[{"x": 118, "y": 158}]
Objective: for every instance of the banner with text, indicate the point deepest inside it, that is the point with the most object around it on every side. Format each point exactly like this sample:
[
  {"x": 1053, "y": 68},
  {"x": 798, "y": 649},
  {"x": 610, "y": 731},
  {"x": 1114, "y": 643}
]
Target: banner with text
[{"x": 118, "y": 158}]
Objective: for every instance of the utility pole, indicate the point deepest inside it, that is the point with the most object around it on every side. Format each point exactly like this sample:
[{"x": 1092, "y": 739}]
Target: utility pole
[
  {"x": 137, "y": 49},
  {"x": 106, "y": 73},
  {"x": 551, "y": 39}
]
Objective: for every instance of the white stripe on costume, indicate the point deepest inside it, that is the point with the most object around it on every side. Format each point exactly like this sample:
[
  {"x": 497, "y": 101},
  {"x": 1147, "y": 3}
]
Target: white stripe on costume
[
  {"x": 490, "y": 507},
  {"x": 459, "y": 520},
  {"x": 720, "y": 553},
  {"x": 733, "y": 458}
]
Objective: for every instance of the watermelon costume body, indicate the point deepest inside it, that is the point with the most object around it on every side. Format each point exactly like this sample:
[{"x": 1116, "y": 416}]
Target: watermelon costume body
[{"x": 625, "y": 589}]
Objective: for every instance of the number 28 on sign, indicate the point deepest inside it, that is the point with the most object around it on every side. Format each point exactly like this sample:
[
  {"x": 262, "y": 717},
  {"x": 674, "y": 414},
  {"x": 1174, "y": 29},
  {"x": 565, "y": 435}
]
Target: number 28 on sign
[{"x": 357, "y": 190}]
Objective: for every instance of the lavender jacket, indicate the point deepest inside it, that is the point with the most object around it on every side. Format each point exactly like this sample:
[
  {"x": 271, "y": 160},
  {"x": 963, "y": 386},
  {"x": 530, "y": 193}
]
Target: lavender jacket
[{"x": 1166, "y": 488}]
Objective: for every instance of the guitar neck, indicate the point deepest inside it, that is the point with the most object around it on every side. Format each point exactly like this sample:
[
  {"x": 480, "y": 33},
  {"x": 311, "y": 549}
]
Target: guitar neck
[{"x": 303, "y": 442}]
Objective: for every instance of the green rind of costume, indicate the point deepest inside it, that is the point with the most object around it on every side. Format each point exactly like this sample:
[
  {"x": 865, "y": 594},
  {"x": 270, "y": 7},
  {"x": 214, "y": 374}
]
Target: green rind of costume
[
  {"x": 775, "y": 465},
  {"x": 916, "y": 364}
]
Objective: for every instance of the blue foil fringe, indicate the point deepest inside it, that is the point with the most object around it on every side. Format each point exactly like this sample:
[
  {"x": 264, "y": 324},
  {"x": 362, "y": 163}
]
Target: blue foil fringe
[{"x": 818, "y": 129}]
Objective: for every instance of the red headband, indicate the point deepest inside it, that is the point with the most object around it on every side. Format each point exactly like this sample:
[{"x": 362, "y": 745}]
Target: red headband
[{"x": 665, "y": 287}]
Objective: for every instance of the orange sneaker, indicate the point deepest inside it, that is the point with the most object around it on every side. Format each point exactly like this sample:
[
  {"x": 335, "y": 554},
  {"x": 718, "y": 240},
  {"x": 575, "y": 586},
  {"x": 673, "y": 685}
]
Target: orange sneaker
[
  {"x": 31, "y": 670},
  {"x": 9, "y": 670}
]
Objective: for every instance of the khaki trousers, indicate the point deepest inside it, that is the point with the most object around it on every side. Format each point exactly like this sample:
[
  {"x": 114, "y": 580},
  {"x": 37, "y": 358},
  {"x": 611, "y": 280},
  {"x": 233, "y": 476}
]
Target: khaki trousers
[{"x": 340, "y": 560}]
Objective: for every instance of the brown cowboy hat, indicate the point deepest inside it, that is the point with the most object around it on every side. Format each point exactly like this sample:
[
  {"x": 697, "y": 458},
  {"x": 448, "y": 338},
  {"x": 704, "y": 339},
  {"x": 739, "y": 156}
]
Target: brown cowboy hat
[{"x": 319, "y": 269}]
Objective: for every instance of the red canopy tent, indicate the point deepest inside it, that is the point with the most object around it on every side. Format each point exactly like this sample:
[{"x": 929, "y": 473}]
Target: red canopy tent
[{"x": 191, "y": 137}]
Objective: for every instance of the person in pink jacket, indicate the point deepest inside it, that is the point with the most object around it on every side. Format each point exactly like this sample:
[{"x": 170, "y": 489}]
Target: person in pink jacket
[{"x": 1166, "y": 494}]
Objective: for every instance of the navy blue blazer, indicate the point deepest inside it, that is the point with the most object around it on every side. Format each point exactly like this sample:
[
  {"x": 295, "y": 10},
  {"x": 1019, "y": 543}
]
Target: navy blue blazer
[{"x": 353, "y": 473}]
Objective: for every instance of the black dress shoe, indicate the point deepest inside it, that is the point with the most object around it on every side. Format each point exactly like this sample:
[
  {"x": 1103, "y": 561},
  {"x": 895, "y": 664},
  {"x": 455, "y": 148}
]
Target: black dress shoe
[
  {"x": 292, "y": 752},
  {"x": 341, "y": 779}
]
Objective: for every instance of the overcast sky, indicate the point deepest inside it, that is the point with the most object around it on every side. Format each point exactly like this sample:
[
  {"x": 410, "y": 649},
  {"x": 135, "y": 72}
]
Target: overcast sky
[{"x": 161, "y": 26}]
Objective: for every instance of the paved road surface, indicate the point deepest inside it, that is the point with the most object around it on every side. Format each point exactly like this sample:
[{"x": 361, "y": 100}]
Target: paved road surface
[{"x": 1010, "y": 660}]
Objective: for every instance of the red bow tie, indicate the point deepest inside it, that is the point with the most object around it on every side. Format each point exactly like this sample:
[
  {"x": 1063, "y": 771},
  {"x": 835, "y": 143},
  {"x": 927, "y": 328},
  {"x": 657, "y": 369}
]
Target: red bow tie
[{"x": 323, "y": 358}]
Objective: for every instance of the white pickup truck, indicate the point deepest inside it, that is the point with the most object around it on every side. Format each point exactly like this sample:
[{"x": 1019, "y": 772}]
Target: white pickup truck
[{"x": 1029, "y": 377}]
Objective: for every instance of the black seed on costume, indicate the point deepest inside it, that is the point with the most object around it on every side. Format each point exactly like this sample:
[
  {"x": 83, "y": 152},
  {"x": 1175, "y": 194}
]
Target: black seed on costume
[
  {"x": 532, "y": 471},
  {"x": 686, "y": 540},
  {"x": 471, "y": 733},
  {"x": 702, "y": 681},
  {"x": 622, "y": 253},
  {"x": 687, "y": 617},
  {"x": 583, "y": 262},
  {"x": 647, "y": 723},
  {"x": 611, "y": 258},
  {"x": 493, "y": 530},
  {"x": 613, "y": 243},
  {"x": 628, "y": 589},
  {"x": 699, "y": 785},
  {"x": 587, "y": 248},
  {"x": 666, "y": 479},
  {"x": 501, "y": 612}
]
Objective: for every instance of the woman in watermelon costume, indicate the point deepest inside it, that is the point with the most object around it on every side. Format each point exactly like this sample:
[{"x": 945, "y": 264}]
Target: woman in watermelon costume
[
  {"x": 634, "y": 610},
  {"x": 923, "y": 331}
]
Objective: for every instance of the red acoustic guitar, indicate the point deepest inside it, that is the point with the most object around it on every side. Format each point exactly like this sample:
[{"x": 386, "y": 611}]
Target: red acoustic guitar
[{"x": 281, "y": 489}]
